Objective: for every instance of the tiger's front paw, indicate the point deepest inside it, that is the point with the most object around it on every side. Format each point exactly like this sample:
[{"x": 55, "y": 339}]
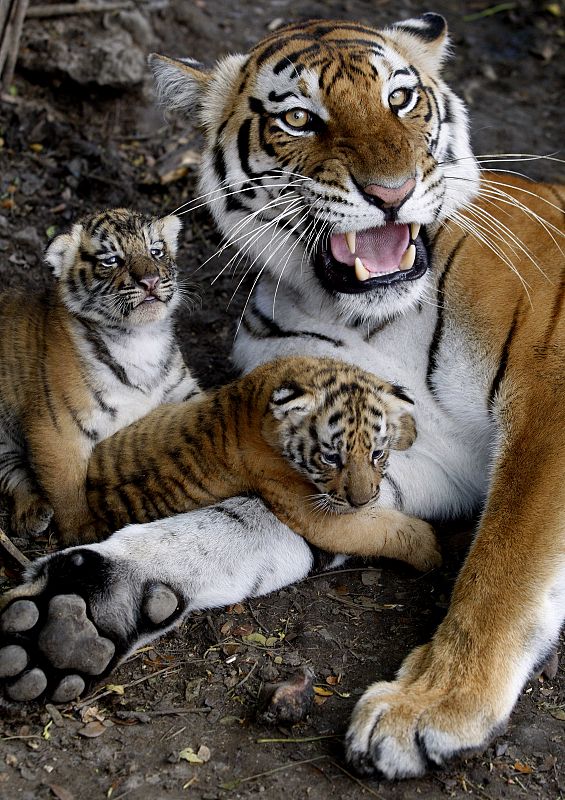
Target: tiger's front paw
[{"x": 401, "y": 728}]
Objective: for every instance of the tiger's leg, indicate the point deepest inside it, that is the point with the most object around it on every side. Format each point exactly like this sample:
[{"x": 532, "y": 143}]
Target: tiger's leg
[
  {"x": 60, "y": 460},
  {"x": 453, "y": 694},
  {"x": 84, "y": 609},
  {"x": 31, "y": 512}
]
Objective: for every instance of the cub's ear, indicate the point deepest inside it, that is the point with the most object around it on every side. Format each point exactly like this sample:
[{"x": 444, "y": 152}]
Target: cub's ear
[
  {"x": 292, "y": 401},
  {"x": 179, "y": 82},
  {"x": 61, "y": 252},
  {"x": 170, "y": 228},
  {"x": 401, "y": 426},
  {"x": 425, "y": 40}
]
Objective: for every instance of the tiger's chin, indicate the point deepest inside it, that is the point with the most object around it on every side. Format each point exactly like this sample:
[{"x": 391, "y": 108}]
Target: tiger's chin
[
  {"x": 150, "y": 310},
  {"x": 340, "y": 270}
]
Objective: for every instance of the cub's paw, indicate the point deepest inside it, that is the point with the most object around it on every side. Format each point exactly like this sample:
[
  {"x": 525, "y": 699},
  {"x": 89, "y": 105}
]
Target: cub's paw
[
  {"x": 424, "y": 551},
  {"x": 31, "y": 516},
  {"x": 402, "y": 728},
  {"x": 73, "y": 621}
]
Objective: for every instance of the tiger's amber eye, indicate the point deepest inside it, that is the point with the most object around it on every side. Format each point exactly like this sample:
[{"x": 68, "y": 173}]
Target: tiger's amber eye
[
  {"x": 399, "y": 98},
  {"x": 296, "y": 117}
]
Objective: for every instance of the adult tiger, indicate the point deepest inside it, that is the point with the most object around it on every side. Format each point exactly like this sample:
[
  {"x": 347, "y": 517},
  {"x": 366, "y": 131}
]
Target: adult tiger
[{"x": 351, "y": 137}]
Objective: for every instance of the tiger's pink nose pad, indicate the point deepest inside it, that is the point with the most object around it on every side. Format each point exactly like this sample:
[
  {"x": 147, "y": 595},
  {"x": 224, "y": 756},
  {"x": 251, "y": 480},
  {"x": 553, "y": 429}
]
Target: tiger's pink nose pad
[
  {"x": 149, "y": 282},
  {"x": 391, "y": 197}
]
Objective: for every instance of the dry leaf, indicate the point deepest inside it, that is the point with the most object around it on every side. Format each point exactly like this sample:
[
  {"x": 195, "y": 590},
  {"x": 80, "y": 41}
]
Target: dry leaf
[
  {"x": 323, "y": 691},
  {"x": 255, "y": 638},
  {"x": 189, "y": 755},
  {"x": 558, "y": 713},
  {"x": 60, "y": 792},
  {"x": 320, "y": 700},
  {"x": 92, "y": 729},
  {"x": 204, "y": 753},
  {"x": 116, "y": 688},
  {"x": 524, "y": 768}
]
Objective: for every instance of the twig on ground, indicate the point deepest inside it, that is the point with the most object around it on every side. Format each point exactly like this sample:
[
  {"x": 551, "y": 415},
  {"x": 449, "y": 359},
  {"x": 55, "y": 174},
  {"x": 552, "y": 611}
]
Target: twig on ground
[
  {"x": 68, "y": 9},
  {"x": 11, "y": 23},
  {"x": 357, "y": 781},
  {"x": 11, "y": 548},
  {"x": 237, "y": 781}
]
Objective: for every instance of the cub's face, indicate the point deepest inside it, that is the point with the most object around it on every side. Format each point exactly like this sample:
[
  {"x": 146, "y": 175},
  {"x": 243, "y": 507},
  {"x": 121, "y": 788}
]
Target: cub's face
[
  {"x": 118, "y": 267},
  {"x": 340, "y": 437},
  {"x": 331, "y": 148}
]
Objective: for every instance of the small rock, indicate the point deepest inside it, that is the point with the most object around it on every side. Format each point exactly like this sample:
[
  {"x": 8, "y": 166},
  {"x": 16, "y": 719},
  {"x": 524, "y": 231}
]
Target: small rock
[{"x": 288, "y": 702}]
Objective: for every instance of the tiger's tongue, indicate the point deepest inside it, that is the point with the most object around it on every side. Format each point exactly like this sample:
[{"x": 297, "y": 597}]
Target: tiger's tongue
[{"x": 380, "y": 249}]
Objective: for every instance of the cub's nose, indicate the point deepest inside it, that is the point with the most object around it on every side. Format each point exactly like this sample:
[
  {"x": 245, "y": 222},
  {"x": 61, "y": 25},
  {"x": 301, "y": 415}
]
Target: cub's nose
[{"x": 149, "y": 282}]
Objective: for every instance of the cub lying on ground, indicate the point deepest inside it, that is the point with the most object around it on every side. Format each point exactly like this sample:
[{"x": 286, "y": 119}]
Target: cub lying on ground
[
  {"x": 310, "y": 436},
  {"x": 85, "y": 358}
]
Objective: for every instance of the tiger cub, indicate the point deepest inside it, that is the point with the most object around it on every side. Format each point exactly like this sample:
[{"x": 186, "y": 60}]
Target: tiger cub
[
  {"x": 310, "y": 436},
  {"x": 84, "y": 358}
]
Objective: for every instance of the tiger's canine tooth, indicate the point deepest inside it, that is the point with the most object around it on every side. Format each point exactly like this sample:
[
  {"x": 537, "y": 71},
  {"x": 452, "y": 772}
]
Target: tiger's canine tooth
[
  {"x": 408, "y": 258},
  {"x": 361, "y": 272},
  {"x": 350, "y": 239},
  {"x": 414, "y": 230}
]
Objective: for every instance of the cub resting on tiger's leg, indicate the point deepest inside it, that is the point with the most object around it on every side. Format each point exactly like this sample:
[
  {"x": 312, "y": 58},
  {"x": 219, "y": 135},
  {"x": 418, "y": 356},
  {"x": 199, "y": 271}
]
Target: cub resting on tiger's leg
[
  {"x": 85, "y": 358},
  {"x": 287, "y": 428}
]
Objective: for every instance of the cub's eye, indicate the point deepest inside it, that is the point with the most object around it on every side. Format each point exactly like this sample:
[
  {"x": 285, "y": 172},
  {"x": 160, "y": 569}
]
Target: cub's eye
[
  {"x": 297, "y": 118},
  {"x": 157, "y": 251},
  {"x": 109, "y": 261},
  {"x": 377, "y": 455},
  {"x": 333, "y": 459},
  {"x": 400, "y": 98}
]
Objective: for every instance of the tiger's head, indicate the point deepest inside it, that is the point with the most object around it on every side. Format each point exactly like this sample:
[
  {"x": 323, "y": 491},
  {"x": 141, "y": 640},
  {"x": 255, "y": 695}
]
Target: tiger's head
[
  {"x": 336, "y": 425},
  {"x": 333, "y": 151},
  {"x": 118, "y": 267}
]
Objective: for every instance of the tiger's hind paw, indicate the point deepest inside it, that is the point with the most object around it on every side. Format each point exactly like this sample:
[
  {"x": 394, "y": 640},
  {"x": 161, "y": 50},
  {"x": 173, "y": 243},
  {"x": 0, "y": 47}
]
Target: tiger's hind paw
[
  {"x": 70, "y": 625},
  {"x": 31, "y": 516}
]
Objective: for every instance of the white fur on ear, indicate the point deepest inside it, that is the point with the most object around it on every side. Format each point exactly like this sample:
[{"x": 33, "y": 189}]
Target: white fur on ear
[
  {"x": 61, "y": 252},
  {"x": 291, "y": 401},
  {"x": 179, "y": 83},
  {"x": 425, "y": 39},
  {"x": 171, "y": 227}
]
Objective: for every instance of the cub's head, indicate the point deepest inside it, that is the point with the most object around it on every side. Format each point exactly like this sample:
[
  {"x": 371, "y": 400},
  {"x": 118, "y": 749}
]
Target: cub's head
[
  {"x": 332, "y": 151},
  {"x": 336, "y": 425},
  {"x": 118, "y": 267}
]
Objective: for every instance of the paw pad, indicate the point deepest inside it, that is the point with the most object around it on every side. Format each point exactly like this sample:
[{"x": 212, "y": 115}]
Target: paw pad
[
  {"x": 29, "y": 686},
  {"x": 160, "y": 604},
  {"x": 13, "y": 660},
  {"x": 69, "y": 639},
  {"x": 20, "y": 616}
]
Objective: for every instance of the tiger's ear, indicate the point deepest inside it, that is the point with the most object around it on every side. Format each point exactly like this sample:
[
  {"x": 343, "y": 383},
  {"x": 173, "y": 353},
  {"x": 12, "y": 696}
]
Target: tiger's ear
[
  {"x": 401, "y": 426},
  {"x": 61, "y": 252},
  {"x": 180, "y": 82},
  {"x": 171, "y": 227},
  {"x": 292, "y": 401},
  {"x": 425, "y": 38}
]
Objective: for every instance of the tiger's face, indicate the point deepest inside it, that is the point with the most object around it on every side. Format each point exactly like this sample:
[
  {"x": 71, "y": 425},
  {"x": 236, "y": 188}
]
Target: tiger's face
[
  {"x": 118, "y": 267},
  {"x": 333, "y": 151},
  {"x": 337, "y": 430}
]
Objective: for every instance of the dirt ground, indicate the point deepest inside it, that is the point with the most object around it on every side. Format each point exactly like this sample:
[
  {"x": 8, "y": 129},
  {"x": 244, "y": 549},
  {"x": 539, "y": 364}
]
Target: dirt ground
[{"x": 79, "y": 130}]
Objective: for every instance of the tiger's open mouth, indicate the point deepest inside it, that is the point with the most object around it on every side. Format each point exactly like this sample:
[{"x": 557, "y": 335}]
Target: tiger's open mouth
[{"x": 360, "y": 262}]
